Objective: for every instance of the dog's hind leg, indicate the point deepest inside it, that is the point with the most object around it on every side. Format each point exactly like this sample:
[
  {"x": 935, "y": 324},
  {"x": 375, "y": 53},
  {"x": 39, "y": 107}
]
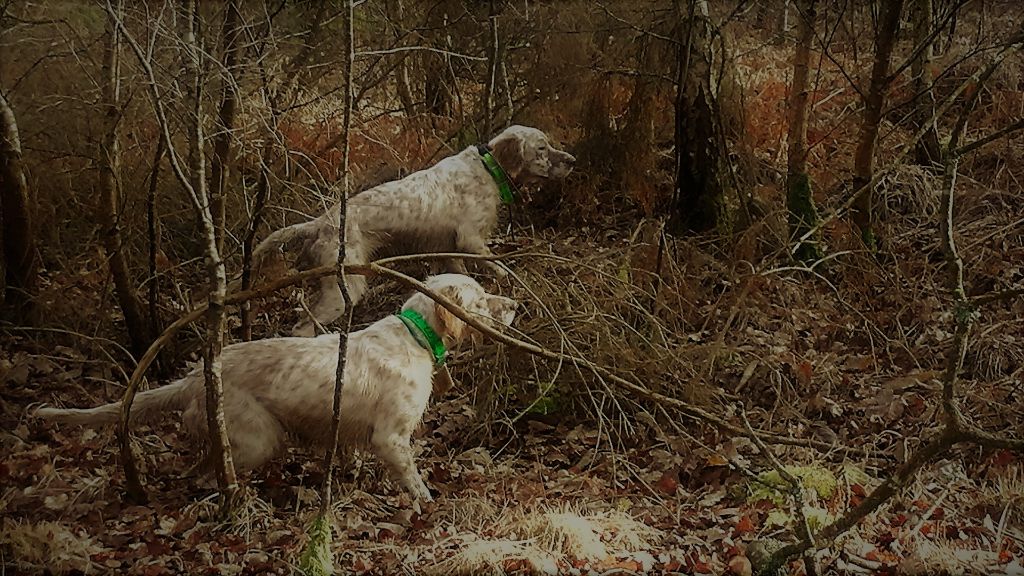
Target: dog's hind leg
[
  {"x": 255, "y": 435},
  {"x": 330, "y": 304}
]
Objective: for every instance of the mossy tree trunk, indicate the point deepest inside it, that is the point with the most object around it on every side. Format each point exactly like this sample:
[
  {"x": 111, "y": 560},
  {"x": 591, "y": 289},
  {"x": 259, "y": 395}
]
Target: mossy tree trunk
[
  {"x": 699, "y": 199},
  {"x": 803, "y": 215},
  {"x": 874, "y": 103}
]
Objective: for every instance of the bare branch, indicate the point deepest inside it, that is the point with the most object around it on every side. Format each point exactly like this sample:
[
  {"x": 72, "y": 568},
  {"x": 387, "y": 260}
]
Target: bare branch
[
  {"x": 398, "y": 49},
  {"x": 1005, "y": 131}
]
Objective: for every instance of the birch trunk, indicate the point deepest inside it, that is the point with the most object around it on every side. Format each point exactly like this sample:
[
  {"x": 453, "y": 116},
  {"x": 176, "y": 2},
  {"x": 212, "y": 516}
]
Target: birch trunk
[{"x": 21, "y": 263}]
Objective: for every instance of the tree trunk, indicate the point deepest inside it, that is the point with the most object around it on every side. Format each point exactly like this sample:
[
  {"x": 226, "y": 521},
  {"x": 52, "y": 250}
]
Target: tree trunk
[
  {"x": 21, "y": 264},
  {"x": 220, "y": 164},
  {"x": 153, "y": 233},
  {"x": 402, "y": 69},
  {"x": 108, "y": 211},
  {"x": 699, "y": 201},
  {"x": 249, "y": 242},
  {"x": 317, "y": 558},
  {"x": 439, "y": 89},
  {"x": 927, "y": 150},
  {"x": 220, "y": 449},
  {"x": 346, "y": 124},
  {"x": 803, "y": 216},
  {"x": 874, "y": 102},
  {"x": 492, "y": 72}
]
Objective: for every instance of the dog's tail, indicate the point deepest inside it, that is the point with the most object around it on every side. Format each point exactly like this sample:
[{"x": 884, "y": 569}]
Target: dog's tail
[
  {"x": 276, "y": 242},
  {"x": 147, "y": 406},
  {"x": 278, "y": 239}
]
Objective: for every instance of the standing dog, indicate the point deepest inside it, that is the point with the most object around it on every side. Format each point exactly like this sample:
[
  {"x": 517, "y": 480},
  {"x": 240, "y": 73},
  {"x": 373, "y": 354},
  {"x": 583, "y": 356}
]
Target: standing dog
[
  {"x": 278, "y": 387},
  {"x": 451, "y": 206}
]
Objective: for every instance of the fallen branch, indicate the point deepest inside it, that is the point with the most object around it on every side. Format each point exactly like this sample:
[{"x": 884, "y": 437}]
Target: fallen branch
[
  {"x": 683, "y": 407},
  {"x": 377, "y": 268},
  {"x": 796, "y": 492}
]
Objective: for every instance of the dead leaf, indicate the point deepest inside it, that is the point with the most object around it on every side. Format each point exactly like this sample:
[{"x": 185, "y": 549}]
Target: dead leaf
[{"x": 740, "y": 566}]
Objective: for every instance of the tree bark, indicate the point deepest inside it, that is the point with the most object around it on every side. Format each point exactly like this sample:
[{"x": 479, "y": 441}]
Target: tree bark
[
  {"x": 192, "y": 179},
  {"x": 926, "y": 151},
  {"x": 346, "y": 73},
  {"x": 220, "y": 448},
  {"x": 803, "y": 215},
  {"x": 221, "y": 162},
  {"x": 492, "y": 72},
  {"x": 21, "y": 263},
  {"x": 153, "y": 231},
  {"x": 249, "y": 242},
  {"x": 699, "y": 199},
  {"x": 109, "y": 207},
  {"x": 874, "y": 102},
  {"x": 402, "y": 69},
  {"x": 317, "y": 558},
  {"x": 439, "y": 88}
]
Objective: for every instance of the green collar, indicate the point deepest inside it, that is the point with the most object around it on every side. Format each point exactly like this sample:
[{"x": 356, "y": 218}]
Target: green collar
[
  {"x": 505, "y": 187},
  {"x": 424, "y": 335}
]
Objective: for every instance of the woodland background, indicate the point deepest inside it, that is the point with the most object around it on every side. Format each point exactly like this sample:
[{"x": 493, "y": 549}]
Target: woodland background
[{"x": 779, "y": 299}]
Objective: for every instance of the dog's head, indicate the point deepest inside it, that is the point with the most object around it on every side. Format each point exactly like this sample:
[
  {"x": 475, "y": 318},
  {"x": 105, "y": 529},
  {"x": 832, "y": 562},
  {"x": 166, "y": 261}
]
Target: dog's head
[
  {"x": 468, "y": 295},
  {"x": 528, "y": 157}
]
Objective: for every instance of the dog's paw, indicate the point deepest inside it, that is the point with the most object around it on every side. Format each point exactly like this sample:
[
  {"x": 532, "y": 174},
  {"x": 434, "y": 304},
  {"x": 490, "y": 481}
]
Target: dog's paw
[
  {"x": 419, "y": 492},
  {"x": 499, "y": 271}
]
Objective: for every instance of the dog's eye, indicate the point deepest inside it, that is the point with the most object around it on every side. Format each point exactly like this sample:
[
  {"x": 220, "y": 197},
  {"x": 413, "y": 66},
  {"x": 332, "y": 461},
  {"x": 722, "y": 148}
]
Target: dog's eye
[{"x": 542, "y": 148}]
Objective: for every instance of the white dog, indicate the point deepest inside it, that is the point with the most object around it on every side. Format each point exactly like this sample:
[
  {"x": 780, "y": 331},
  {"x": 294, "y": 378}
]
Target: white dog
[
  {"x": 278, "y": 387},
  {"x": 451, "y": 206}
]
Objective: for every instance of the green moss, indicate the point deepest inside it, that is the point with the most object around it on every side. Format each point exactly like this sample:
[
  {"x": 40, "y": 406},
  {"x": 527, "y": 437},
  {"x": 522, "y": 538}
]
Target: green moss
[
  {"x": 544, "y": 405},
  {"x": 316, "y": 559},
  {"x": 869, "y": 238},
  {"x": 803, "y": 216},
  {"x": 854, "y": 475},
  {"x": 817, "y": 518},
  {"x": 815, "y": 479}
]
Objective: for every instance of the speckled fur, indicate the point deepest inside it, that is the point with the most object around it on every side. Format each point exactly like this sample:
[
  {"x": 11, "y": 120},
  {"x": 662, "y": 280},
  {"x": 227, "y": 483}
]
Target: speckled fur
[
  {"x": 281, "y": 387},
  {"x": 451, "y": 206}
]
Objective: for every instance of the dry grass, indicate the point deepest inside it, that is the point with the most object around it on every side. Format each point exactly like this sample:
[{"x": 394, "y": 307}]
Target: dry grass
[
  {"x": 37, "y": 546},
  {"x": 544, "y": 538}
]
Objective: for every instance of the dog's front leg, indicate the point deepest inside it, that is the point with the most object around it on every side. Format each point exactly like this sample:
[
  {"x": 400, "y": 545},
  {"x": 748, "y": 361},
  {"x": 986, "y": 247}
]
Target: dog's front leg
[
  {"x": 473, "y": 243},
  {"x": 396, "y": 452}
]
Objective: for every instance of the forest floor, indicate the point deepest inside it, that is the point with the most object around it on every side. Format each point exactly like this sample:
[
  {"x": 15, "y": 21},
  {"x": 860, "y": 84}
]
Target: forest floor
[{"x": 612, "y": 486}]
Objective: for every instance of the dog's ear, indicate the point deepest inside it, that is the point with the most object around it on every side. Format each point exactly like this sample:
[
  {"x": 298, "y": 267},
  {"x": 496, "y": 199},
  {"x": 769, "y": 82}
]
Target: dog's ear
[
  {"x": 449, "y": 324},
  {"x": 508, "y": 151}
]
